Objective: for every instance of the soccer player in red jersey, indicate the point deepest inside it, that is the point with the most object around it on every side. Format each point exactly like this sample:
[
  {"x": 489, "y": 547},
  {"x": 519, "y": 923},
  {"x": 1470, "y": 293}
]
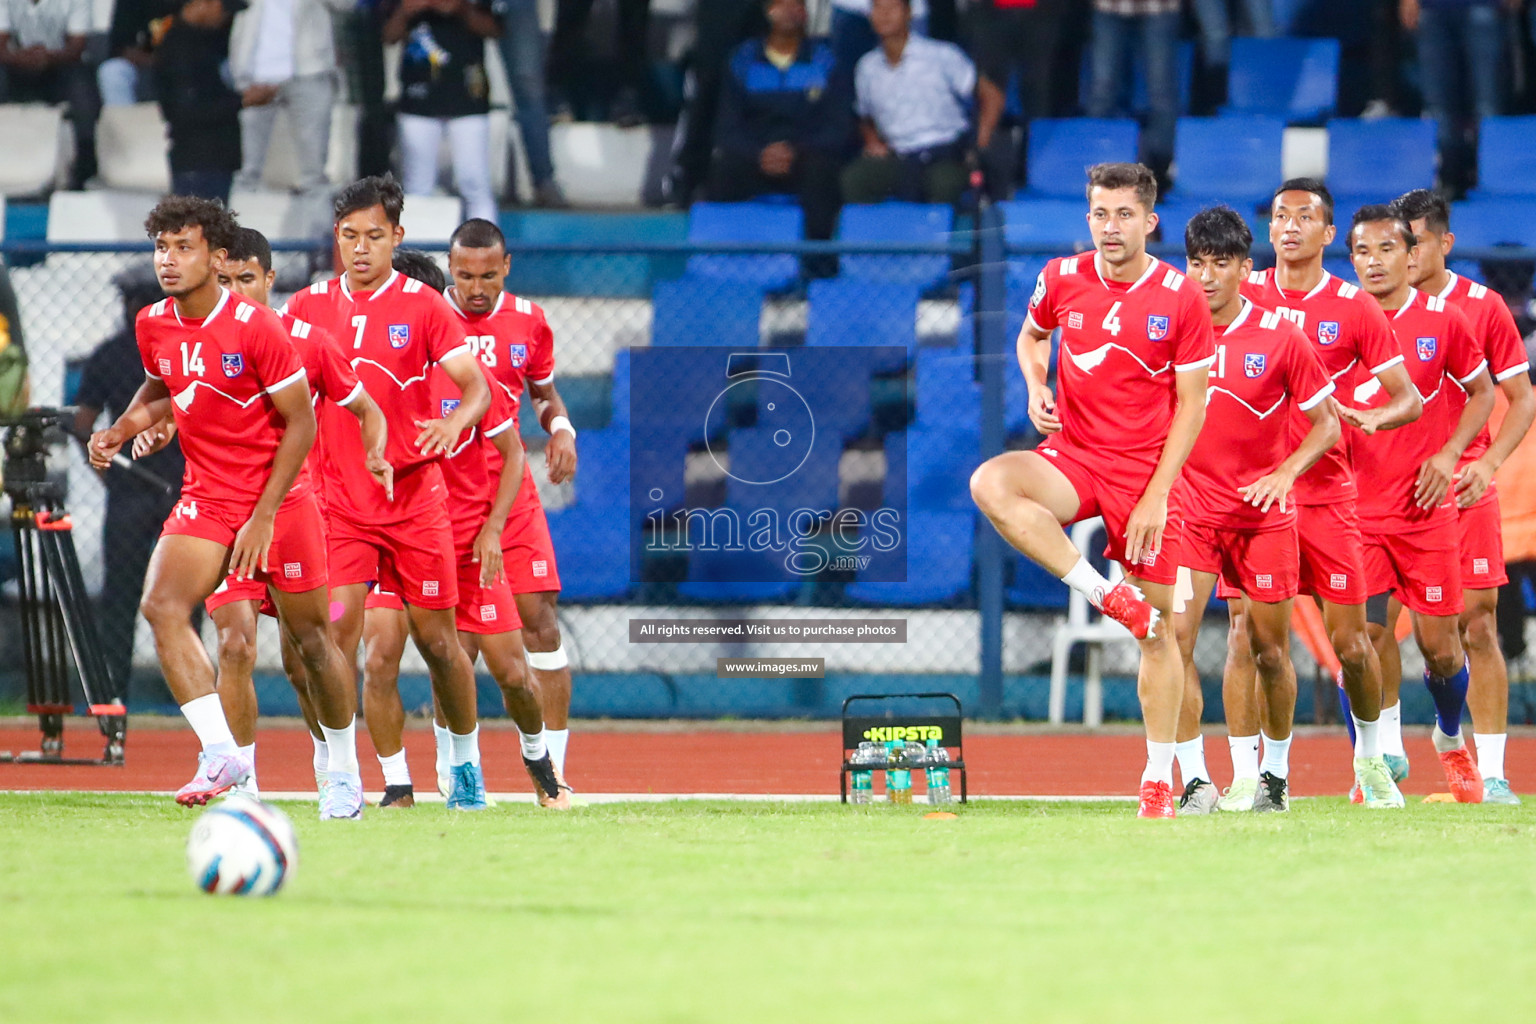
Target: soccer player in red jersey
[
  {"x": 1238, "y": 517},
  {"x": 1352, "y": 338},
  {"x": 513, "y": 341},
  {"x": 227, "y": 370},
  {"x": 394, "y": 329},
  {"x": 1477, "y": 499},
  {"x": 1408, "y": 512},
  {"x": 1135, "y": 350}
]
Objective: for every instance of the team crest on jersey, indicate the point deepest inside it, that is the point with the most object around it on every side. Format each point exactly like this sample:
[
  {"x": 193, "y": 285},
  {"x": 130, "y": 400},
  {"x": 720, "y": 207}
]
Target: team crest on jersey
[
  {"x": 399, "y": 335},
  {"x": 1426, "y": 348},
  {"x": 233, "y": 364},
  {"x": 518, "y": 354},
  {"x": 1253, "y": 363},
  {"x": 449, "y": 406},
  {"x": 1327, "y": 332},
  {"x": 1157, "y": 328}
]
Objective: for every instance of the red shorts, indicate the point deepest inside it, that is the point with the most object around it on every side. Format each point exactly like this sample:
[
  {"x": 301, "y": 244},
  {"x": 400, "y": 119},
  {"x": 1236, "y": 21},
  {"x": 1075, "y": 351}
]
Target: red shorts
[
  {"x": 233, "y": 590},
  {"x": 1266, "y": 565},
  {"x": 419, "y": 554},
  {"x": 1100, "y": 492},
  {"x": 526, "y": 548},
  {"x": 1482, "y": 545},
  {"x": 297, "y": 558},
  {"x": 484, "y": 610},
  {"x": 1422, "y": 566},
  {"x": 1332, "y": 559}
]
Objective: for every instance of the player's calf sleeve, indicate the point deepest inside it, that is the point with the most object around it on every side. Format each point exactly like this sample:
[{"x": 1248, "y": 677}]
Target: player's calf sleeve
[
  {"x": 548, "y": 661},
  {"x": 1450, "y": 697},
  {"x": 1345, "y": 709}
]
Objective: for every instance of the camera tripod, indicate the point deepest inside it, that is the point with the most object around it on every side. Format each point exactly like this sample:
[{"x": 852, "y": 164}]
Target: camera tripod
[{"x": 58, "y": 624}]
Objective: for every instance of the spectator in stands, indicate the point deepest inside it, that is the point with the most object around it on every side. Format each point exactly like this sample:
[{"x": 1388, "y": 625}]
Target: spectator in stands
[
  {"x": 853, "y": 35},
  {"x": 719, "y": 27},
  {"x": 444, "y": 88},
  {"x": 1215, "y": 19},
  {"x": 1019, "y": 34},
  {"x": 362, "y": 47},
  {"x": 42, "y": 49},
  {"x": 127, "y": 75},
  {"x": 913, "y": 95},
  {"x": 1461, "y": 59},
  {"x": 570, "y": 65},
  {"x": 282, "y": 54},
  {"x": 522, "y": 54},
  {"x": 15, "y": 385},
  {"x": 1150, "y": 29},
  {"x": 200, "y": 109},
  {"x": 1386, "y": 60},
  {"x": 784, "y": 121}
]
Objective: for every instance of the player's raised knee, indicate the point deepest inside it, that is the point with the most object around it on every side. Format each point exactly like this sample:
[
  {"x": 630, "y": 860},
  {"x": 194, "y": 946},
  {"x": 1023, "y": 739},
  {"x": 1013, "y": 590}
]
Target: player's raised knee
[{"x": 988, "y": 485}]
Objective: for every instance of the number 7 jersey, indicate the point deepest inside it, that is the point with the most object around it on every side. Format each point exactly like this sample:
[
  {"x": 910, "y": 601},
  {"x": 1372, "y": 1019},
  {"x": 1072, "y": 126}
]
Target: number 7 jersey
[{"x": 1121, "y": 346}]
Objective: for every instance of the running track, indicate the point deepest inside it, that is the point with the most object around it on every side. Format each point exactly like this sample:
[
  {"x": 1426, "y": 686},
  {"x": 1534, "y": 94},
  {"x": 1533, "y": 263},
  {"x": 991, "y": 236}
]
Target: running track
[{"x": 684, "y": 759}]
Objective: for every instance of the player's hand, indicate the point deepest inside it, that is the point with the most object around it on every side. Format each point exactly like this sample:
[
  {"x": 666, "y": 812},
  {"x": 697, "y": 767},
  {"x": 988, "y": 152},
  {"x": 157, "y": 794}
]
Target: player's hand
[
  {"x": 1472, "y": 483},
  {"x": 258, "y": 95},
  {"x": 154, "y": 439},
  {"x": 487, "y": 555},
  {"x": 560, "y": 457},
  {"x": 103, "y": 445},
  {"x": 1042, "y": 411},
  {"x": 436, "y": 437},
  {"x": 380, "y": 469},
  {"x": 1268, "y": 489},
  {"x": 1368, "y": 420},
  {"x": 1144, "y": 529},
  {"x": 252, "y": 543},
  {"x": 1435, "y": 479}
]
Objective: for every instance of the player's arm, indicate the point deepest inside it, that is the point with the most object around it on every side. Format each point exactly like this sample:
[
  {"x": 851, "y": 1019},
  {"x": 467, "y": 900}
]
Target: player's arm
[
  {"x": 1144, "y": 528},
  {"x": 1438, "y": 473},
  {"x": 1034, "y": 353},
  {"x": 151, "y": 404},
  {"x": 989, "y": 110},
  {"x": 560, "y": 451},
  {"x": 1323, "y": 414},
  {"x": 438, "y": 436},
  {"x": 375, "y": 430},
  {"x": 1478, "y": 474},
  {"x": 1403, "y": 403},
  {"x": 488, "y": 541},
  {"x": 291, "y": 400}
]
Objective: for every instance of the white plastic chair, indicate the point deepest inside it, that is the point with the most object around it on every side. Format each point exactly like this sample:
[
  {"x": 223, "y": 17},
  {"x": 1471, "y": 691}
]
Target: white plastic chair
[
  {"x": 1084, "y": 625},
  {"x": 30, "y": 161}
]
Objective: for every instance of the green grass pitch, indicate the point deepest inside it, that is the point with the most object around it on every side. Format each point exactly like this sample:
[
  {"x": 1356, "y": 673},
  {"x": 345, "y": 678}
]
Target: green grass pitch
[{"x": 778, "y": 912}]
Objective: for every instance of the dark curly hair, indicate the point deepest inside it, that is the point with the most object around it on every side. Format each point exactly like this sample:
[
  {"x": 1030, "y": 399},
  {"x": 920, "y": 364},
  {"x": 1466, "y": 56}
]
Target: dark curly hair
[
  {"x": 366, "y": 193},
  {"x": 176, "y": 212},
  {"x": 417, "y": 264}
]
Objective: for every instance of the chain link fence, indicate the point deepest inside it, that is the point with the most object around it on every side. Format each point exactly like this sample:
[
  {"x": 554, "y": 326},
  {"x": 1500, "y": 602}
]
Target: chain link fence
[{"x": 682, "y": 369}]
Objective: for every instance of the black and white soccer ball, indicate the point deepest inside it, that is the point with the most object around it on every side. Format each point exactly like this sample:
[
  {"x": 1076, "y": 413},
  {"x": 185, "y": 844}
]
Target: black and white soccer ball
[{"x": 242, "y": 847}]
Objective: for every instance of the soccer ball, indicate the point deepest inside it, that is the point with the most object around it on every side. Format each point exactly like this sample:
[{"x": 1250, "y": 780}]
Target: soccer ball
[{"x": 242, "y": 847}]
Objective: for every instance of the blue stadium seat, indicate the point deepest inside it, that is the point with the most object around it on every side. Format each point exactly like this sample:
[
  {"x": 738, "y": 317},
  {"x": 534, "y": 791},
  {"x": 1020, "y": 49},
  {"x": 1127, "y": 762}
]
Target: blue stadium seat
[
  {"x": 897, "y": 222},
  {"x": 767, "y": 473},
  {"x": 602, "y": 480},
  {"x": 593, "y": 546},
  {"x": 1062, "y": 150},
  {"x": 618, "y": 397},
  {"x": 947, "y": 392},
  {"x": 1480, "y": 224},
  {"x": 1033, "y": 587},
  {"x": 1019, "y": 279},
  {"x": 1296, "y": 79},
  {"x": 940, "y": 549},
  {"x": 848, "y": 312},
  {"x": 1052, "y": 224},
  {"x": 1504, "y": 164},
  {"x": 1382, "y": 157},
  {"x": 1175, "y": 213},
  {"x": 658, "y": 461},
  {"x": 1236, "y": 159},
  {"x": 938, "y": 466},
  {"x": 747, "y": 222},
  {"x": 706, "y": 311},
  {"x": 737, "y": 576}
]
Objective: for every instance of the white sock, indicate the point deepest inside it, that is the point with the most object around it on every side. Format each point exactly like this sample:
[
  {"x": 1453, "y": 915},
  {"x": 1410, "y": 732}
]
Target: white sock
[
  {"x": 322, "y": 754},
  {"x": 557, "y": 740},
  {"x": 249, "y": 750},
  {"x": 1245, "y": 756},
  {"x": 396, "y": 771},
  {"x": 1191, "y": 757},
  {"x": 1367, "y": 738},
  {"x": 342, "y": 744},
  {"x": 440, "y": 734},
  {"x": 534, "y": 744},
  {"x": 206, "y": 717},
  {"x": 1490, "y": 753},
  {"x": 1159, "y": 762},
  {"x": 1088, "y": 581},
  {"x": 1277, "y": 757},
  {"x": 1444, "y": 743},
  {"x": 464, "y": 749},
  {"x": 1392, "y": 730}
]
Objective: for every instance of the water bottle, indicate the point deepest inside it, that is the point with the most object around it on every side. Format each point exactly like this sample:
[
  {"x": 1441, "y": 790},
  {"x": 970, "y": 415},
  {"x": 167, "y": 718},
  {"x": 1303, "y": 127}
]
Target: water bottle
[
  {"x": 938, "y": 775},
  {"x": 863, "y": 778},
  {"x": 898, "y": 781}
]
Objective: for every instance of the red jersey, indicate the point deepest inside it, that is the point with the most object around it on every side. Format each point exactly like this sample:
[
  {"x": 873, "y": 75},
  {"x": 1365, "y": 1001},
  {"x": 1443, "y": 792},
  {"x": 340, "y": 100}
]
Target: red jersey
[
  {"x": 513, "y": 341},
  {"x": 397, "y": 332},
  {"x": 467, "y": 469},
  {"x": 1121, "y": 346},
  {"x": 330, "y": 378},
  {"x": 1264, "y": 368},
  {"x": 221, "y": 372},
  {"x": 1440, "y": 351},
  {"x": 1351, "y": 337},
  {"x": 1494, "y": 326}
]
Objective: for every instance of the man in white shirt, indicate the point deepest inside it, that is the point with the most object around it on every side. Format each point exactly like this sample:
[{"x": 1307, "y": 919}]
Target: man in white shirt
[
  {"x": 913, "y": 96},
  {"x": 42, "y": 45}
]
